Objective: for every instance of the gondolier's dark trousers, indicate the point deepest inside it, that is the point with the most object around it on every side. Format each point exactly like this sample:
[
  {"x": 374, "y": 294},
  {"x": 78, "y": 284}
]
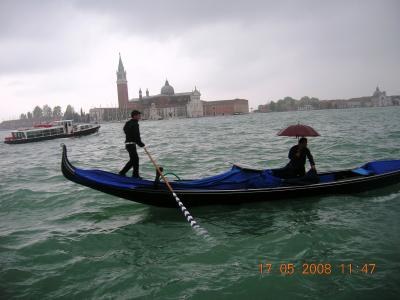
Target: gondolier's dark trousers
[
  {"x": 290, "y": 171},
  {"x": 133, "y": 161}
]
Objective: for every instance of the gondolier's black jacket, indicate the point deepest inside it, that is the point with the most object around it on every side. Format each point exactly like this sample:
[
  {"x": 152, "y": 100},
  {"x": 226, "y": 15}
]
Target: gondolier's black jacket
[
  {"x": 132, "y": 132},
  {"x": 299, "y": 162}
]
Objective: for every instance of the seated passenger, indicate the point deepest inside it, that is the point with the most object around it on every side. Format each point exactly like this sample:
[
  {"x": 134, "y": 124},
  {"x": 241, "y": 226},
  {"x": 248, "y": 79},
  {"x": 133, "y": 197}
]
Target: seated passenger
[{"x": 296, "y": 165}]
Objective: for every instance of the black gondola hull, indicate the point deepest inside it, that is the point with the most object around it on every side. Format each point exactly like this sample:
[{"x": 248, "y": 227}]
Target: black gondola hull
[{"x": 163, "y": 198}]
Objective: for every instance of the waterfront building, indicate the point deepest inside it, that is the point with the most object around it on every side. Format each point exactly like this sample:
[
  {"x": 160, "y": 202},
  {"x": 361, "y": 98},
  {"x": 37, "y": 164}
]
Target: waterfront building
[
  {"x": 263, "y": 108},
  {"x": 379, "y": 98},
  {"x": 226, "y": 107},
  {"x": 165, "y": 105},
  {"x": 122, "y": 86},
  {"x": 353, "y": 104},
  {"x": 100, "y": 114},
  {"x": 305, "y": 107},
  {"x": 168, "y": 104},
  {"x": 396, "y": 100}
]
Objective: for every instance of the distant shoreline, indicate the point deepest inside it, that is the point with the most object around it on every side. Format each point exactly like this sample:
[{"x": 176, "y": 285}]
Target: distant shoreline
[{"x": 16, "y": 124}]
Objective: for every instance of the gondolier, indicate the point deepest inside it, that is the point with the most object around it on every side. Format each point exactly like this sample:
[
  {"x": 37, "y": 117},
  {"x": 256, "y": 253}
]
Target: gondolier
[
  {"x": 296, "y": 165},
  {"x": 298, "y": 155},
  {"x": 132, "y": 134}
]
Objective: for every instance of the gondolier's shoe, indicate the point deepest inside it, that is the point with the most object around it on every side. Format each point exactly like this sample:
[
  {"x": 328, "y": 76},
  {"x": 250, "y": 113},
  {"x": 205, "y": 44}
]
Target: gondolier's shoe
[{"x": 122, "y": 174}]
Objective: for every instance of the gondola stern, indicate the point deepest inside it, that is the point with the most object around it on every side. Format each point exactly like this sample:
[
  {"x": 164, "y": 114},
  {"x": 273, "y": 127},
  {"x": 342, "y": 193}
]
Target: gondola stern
[{"x": 67, "y": 168}]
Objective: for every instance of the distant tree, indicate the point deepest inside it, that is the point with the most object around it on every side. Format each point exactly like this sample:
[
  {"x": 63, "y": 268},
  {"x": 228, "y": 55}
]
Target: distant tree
[
  {"x": 57, "y": 112},
  {"x": 47, "y": 112},
  {"x": 77, "y": 117},
  {"x": 69, "y": 113},
  {"x": 272, "y": 106},
  {"x": 23, "y": 117},
  {"x": 304, "y": 100},
  {"x": 279, "y": 105},
  {"x": 29, "y": 115},
  {"x": 289, "y": 103},
  {"x": 37, "y": 113},
  {"x": 315, "y": 102}
]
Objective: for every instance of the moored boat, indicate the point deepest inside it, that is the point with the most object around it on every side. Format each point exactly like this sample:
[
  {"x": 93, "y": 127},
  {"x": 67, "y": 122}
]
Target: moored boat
[
  {"x": 55, "y": 130},
  {"x": 239, "y": 185}
]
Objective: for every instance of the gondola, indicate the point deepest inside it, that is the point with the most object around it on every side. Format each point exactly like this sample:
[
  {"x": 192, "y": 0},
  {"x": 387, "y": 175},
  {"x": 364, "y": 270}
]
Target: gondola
[{"x": 238, "y": 185}]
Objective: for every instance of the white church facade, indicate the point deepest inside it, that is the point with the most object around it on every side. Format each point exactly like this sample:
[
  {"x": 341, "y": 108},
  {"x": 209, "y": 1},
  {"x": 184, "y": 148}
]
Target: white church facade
[
  {"x": 379, "y": 98},
  {"x": 165, "y": 105}
]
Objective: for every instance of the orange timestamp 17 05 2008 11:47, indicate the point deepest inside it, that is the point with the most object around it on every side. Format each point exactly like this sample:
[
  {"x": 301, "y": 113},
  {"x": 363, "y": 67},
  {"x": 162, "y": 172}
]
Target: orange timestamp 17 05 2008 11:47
[{"x": 316, "y": 268}]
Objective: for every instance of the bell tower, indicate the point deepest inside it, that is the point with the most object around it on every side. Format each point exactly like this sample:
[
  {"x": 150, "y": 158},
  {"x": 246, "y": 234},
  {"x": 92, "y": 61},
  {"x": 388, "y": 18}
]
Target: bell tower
[{"x": 122, "y": 86}]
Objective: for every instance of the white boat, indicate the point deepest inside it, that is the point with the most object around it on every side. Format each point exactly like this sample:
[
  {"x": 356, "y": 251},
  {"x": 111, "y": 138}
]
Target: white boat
[{"x": 55, "y": 130}]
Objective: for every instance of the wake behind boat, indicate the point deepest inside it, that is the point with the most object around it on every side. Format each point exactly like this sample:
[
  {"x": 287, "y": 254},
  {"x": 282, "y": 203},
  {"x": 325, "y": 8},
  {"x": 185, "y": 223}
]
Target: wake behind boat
[
  {"x": 239, "y": 185},
  {"x": 58, "y": 129}
]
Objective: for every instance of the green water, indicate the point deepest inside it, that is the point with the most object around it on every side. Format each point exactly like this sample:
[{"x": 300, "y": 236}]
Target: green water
[{"x": 62, "y": 240}]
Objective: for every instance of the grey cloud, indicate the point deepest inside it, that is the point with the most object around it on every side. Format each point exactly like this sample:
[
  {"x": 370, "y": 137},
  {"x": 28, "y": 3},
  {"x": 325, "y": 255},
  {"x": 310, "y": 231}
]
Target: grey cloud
[
  {"x": 172, "y": 17},
  {"x": 320, "y": 30},
  {"x": 264, "y": 46},
  {"x": 169, "y": 18},
  {"x": 40, "y": 36},
  {"x": 33, "y": 19}
]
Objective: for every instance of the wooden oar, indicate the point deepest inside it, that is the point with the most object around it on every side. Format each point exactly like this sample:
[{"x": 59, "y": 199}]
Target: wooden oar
[{"x": 184, "y": 210}]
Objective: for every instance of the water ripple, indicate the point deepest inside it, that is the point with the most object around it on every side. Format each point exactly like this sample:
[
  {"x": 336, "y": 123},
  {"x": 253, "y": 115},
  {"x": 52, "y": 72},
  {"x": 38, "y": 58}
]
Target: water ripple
[{"x": 62, "y": 240}]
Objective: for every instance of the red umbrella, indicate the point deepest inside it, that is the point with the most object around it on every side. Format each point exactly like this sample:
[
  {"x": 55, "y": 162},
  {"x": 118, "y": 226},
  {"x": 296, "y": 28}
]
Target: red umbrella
[{"x": 298, "y": 130}]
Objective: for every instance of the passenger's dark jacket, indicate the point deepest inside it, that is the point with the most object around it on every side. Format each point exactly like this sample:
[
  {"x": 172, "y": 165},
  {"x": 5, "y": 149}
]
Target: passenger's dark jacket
[
  {"x": 299, "y": 162},
  {"x": 132, "y": 132}
]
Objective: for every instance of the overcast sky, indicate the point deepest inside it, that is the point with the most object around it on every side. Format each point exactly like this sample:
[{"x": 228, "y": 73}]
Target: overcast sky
[{"x": 66, "y": 52}]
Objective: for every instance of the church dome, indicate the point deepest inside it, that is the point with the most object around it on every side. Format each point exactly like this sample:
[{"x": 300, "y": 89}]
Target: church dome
[
  {"x": 167, "y": 89},
  {"x": 377, "y": 92}
]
